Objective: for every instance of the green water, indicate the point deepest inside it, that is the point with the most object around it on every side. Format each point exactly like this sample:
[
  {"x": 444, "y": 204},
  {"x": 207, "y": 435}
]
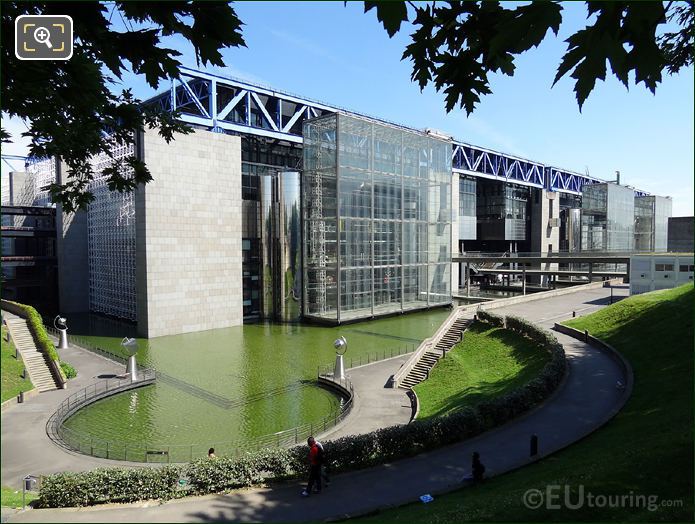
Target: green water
[{"x": 237, "y": 383}]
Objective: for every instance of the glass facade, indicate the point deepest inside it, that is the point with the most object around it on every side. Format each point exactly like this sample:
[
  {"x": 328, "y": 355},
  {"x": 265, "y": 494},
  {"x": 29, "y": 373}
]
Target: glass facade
[
  {"x": 651, "y": 223},
  {"x": 467, "y": 208},
  {"x": 503, "y": 210},
  {"x": 607, "y": 218},
  {"x": 376, "y": 219}
]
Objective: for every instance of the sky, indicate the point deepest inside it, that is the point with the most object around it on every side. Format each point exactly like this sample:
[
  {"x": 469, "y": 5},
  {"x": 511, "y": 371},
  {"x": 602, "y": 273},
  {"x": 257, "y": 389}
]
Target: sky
[{"x": 335, "y": 53}]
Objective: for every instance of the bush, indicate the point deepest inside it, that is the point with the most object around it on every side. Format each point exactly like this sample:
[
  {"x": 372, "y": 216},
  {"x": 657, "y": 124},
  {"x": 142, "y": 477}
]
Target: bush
[
  {"x": 109, "y": 485},
  {"x": 541, "y": 336},
  {"x": 490, "y": 318},
  {"x": 68, "y": 370},
  {"x": 344, "y": 454}
]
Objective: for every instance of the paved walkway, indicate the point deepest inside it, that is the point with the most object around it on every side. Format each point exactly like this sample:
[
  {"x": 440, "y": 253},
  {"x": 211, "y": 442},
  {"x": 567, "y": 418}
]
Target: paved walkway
[
  {"x": 376, "y": 406},
  {"x": 585, "y": 402}
]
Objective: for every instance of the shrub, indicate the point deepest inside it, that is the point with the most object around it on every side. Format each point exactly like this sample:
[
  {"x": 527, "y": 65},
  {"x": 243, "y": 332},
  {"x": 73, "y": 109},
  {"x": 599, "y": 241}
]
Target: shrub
[
  {"x": 525, "y": 328},
  {"x": 109, "y": 485},
  {"x": 490, "y": 318},
  {"x": 68, "y": 370}
]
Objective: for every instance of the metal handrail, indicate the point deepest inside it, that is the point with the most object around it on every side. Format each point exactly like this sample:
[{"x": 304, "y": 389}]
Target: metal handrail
[
  {"x": 167, "y": 453},
  {"x": 424, "y": 346}
]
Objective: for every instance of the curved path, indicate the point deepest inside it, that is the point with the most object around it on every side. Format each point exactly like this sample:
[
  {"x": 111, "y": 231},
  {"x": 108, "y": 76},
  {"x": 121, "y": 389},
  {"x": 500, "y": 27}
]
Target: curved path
[{"x": 587, "y": 399}]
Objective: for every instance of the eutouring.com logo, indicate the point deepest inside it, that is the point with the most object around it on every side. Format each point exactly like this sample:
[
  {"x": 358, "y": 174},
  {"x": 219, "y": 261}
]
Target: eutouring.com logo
[{"x": 557, "y": 496}]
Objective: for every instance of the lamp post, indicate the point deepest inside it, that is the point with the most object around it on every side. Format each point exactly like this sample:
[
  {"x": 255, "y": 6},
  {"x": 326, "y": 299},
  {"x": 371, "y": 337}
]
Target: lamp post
[
  {"x": 131, "y": 347},
  {"x": 60, "y": 323},
  {"x": 340, "y": 346}
]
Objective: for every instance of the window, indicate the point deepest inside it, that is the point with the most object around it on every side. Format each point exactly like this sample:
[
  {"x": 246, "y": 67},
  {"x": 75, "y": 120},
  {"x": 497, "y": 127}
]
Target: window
[
  {"x": 668, "y": 267},
  {"x": 692, "y": 268},
  {"x": 683, "y": 269},
  {"x": 659, "y": 267}
]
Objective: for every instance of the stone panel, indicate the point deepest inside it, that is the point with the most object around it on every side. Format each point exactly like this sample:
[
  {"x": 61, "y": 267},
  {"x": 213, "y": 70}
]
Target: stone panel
[{"x": 189, "y": 256}]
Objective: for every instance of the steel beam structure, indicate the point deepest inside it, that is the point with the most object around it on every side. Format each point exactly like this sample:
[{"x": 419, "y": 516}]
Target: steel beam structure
[
  {"x": 230, "y": 105},
  {"x": 476, "y": 161}
]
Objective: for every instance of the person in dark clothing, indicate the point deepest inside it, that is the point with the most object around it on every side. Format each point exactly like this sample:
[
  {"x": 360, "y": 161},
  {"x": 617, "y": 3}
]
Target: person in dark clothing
[
  {"x": 314, "y": 468},
  {"x": 324, "y": 465},
  {"x": 477, "y": 467}
]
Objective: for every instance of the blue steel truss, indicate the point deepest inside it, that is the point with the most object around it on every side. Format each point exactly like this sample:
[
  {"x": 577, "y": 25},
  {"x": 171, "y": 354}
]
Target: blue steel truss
[
  {"x": 224, "y": 104},
  {"x": 567, "y": 181},
  {"x": 473, "y": 160}
]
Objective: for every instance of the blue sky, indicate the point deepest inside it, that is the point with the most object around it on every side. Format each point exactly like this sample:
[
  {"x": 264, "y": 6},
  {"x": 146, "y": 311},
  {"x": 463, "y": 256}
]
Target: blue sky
[{"x": 337, "y": 54}]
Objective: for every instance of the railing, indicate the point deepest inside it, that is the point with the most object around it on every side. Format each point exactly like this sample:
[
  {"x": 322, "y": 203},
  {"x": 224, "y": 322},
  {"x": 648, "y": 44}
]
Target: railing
[
  {"x": 97, "y": 391},
  {"x": 85, "y": 344},
  {"x": 536, "y": 254},
  {"x": 376, "y": 356},
  {"x": 168, "y": 453},
  {"x": 430, "y": 342}
]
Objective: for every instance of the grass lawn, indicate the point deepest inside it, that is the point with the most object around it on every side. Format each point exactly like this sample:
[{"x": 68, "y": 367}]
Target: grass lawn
[
  {"x": 646, "y": 450},
  {"x": 11, "y": 368},
  {"x": 12, "y": 498},
  {"x": 488, "y": 363}
]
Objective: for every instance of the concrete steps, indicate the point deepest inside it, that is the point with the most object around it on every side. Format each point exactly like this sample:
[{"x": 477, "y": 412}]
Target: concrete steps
[
  {"x": 421, "y": 370},
  {"x": 34, "y": 361}
]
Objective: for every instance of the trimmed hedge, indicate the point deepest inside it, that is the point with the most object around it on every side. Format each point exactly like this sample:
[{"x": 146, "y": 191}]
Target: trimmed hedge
[
  {"x": 109, "y": 485},
  {"x": 207, "y": 476},
  {"x": 43, "y": 343},
  {"x": 490, "y": 318}
]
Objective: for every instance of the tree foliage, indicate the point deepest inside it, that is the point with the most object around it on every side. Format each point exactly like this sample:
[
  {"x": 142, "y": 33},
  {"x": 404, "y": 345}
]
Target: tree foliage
[
  {"x": 74, "y": 113},
  {"x": 456, "y": 45},
  {"x": 71, "y": 109}
]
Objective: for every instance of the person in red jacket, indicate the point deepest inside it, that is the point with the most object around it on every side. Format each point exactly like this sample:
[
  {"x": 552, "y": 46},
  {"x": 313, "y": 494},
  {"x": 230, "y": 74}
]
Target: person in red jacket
[{"x": 314, "y": 468}]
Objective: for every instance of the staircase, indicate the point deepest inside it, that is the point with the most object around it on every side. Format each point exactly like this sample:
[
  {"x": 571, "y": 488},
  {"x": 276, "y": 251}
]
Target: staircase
[
  {"x": 431, "y": 356},
  {"x": 34, "y": 361}
]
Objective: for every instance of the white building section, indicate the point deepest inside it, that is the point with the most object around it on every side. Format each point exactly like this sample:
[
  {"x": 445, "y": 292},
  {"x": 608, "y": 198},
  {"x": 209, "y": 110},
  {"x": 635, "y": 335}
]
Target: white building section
[{"x": 651, "y": 272}]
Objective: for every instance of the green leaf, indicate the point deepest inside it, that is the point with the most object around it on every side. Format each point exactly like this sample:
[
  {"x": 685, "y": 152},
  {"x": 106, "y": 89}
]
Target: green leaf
[{"x": 391, "y": 14}]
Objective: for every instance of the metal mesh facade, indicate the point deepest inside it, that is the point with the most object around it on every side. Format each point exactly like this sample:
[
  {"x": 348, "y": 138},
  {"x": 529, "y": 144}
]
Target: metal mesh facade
[
  {"x": 377, "y": 219},
  {"x": 111, "y": 241},
  {"x": 41, "y": 173}
]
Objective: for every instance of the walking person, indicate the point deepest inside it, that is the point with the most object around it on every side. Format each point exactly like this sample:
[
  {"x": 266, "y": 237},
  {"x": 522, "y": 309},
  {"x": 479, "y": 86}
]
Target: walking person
[
  {"x": 323, "y": 461},
  {"x": 314, "y": 468}
]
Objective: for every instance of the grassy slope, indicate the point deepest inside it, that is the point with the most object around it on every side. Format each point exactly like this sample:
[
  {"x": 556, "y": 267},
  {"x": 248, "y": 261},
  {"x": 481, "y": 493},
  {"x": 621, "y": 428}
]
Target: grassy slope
[
  {"x": 12, "y": 498},
  {"x": 11, "y": 368},
  {"x": 647, "y": 449},
  {"x": 489, "y": 363}
]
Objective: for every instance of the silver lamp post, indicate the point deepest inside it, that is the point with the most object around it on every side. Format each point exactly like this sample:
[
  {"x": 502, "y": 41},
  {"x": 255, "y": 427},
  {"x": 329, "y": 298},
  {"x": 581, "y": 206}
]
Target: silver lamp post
[
  {"x": 131, "y": 347},
  {"x": 340, "y": 346},
  {"x": 60, "y": 323}
]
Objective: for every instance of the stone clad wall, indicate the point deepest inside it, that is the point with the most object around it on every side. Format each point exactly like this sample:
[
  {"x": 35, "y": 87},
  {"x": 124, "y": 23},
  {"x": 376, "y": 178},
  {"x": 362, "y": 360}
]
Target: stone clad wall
[{"x": 188, "y": 235}]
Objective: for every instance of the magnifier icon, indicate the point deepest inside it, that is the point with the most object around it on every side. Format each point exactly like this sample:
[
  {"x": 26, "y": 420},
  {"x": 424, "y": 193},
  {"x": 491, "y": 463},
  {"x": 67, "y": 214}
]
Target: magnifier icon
[{"x": 42, "y": 36}]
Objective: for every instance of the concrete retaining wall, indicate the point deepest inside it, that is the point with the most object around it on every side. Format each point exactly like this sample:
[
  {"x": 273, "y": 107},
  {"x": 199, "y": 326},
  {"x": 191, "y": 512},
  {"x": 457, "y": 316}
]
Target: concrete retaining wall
[{"x": 15, "y": 401}]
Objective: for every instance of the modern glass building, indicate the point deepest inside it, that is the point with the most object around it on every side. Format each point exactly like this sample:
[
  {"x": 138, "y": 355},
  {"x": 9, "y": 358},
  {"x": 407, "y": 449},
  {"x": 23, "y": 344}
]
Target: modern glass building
[
  {"x": 651, "y": 222},
  {"x": 607, "y": 217},
  {"x": 376, "y": 209}
]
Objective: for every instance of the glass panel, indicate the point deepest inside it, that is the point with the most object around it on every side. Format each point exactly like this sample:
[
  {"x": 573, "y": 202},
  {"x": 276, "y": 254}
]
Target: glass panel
[
  {"x": 387, "y": 192},
  {"x": 319, "y": 212}
]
